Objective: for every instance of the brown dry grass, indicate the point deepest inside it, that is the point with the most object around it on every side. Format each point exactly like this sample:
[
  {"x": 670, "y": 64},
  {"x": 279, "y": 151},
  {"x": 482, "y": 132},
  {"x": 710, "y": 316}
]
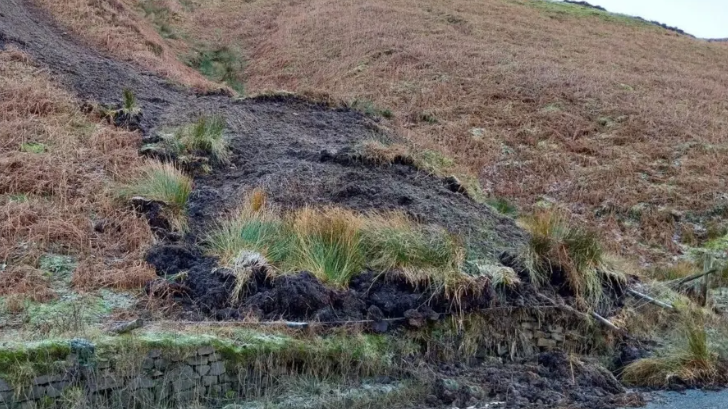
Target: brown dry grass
[
  {"x": 116, "y": 26},
  {"x": 598, "y": 113},
  {"x": 51, "y": 200}
]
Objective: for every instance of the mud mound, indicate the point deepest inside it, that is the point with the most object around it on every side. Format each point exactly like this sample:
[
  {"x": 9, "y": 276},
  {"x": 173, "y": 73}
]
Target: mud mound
[
  {"x": 548, "y": 380},
  {"x": 301, "y": 296}
]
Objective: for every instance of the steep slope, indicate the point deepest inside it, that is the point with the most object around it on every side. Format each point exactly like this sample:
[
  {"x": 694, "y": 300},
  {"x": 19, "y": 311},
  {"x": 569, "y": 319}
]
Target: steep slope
[{"x": 618, "y": 120}]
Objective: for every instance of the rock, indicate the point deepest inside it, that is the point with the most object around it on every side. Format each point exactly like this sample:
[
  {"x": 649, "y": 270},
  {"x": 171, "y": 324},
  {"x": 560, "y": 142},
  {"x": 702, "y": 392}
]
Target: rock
[
  {"x": 209, "y": 380},
  {"x": 147, "y": 364},
  {"x": 446, "y": 390},
  {"x": 56, "y": 389},
  {"x": 374, "y": 313},
  {"x": 183, "y": 384},
  {"x": 206, "y": 350},
  {"x": 4, "y": 386},
  {"x": 125, "y": 327},
  {"x": 141, "y": 382},
  {"x": 217, "y": 368},
  {"x": 546, "y": 343},
  {"x": 103, "y": 383},
  {"x": 197, "y": 360},
  {"x": 415, "y": 318},
  {"x": 161, "y": 364},
  {"x": 203, "y": 369}
]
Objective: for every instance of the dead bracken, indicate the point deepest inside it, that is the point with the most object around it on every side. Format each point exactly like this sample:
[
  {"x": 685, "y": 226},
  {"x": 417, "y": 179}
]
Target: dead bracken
[{"x": 175, "y": 245}]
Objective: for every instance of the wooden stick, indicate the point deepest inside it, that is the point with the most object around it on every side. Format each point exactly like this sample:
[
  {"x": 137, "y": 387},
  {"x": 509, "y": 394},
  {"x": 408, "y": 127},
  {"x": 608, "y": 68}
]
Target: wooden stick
[
  {"x": 608, "y": 323},
  {"x": 650, "y": 299},
  {"x": 572, "y": 310},
  {"x": 694, "y": 277}
]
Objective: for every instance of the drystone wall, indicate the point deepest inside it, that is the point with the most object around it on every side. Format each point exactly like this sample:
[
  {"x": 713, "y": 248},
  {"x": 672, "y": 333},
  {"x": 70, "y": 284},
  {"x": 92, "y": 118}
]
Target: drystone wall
[
  {"x": 169, "y": 377},
  {"x": 124, "y": 384}
]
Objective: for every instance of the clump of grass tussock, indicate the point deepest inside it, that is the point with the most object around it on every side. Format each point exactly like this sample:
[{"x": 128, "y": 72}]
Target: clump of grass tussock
[
  {"x": 557, "y": 244},
  {"x": 165, "y": 183},
  {"x": 256, "y": 228},
  {"x": 393, "y": 242},
  {"x": 204, "y": 137},
  {"x": 129, "y": 103},
  {"x": 693, "y": 362},
  {"x": 335, "y": 244}
]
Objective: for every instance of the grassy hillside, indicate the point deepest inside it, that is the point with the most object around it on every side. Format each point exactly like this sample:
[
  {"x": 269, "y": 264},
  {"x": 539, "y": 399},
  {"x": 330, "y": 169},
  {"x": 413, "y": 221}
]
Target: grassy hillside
[{"x": 622, "y": 122}]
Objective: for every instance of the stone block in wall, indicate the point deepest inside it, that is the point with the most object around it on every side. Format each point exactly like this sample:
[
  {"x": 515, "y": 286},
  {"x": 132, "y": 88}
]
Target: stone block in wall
[
  {"x": 104, "y": 382},
  {"x": 206, "y": 350},
  {"x": 55, "y": 389},
  {"x": 4, "y": 386},
  {"x": 182, "y": 371},
  {"x": 6, "y": 397},
  {"x": 197, "y": 360},
  {"x": 557, "y": 336},
  {"x": 154, "y": 354},
  {"x": 546, "y": 343},
  {"x": 214, "y": 357},
  {"x": 209, "y": 380},
  {"x": 556, "y": 328},
  {"x": 203, "y": 369},
  {"x": 162, "y": 392},
  {"x": 141, "y": 382},
  {"x": 217, "y": 368},
  {"x": 161, "y": 364},
  {"x": 183, "y": 384},
  {"x": 147, "y": 363}
]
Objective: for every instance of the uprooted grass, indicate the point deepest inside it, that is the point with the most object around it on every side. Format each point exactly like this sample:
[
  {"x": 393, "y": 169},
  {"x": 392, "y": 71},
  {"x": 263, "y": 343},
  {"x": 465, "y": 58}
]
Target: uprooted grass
[
  {"x": 203, "y": 137},
  {"x": 693, "y": 362},
  {"x": 50, "y": 199},
  {"x": 335, "y": 244},
  {"x": 165, "y": 183},
  {"x": 557, "y": 245}
]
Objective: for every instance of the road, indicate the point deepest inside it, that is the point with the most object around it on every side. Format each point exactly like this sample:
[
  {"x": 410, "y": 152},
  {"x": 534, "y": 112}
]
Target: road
[{"x": 691, "y": 399}]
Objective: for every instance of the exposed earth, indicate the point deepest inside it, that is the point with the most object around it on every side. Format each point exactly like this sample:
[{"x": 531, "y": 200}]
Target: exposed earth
[{"x": 301, "y": 153}]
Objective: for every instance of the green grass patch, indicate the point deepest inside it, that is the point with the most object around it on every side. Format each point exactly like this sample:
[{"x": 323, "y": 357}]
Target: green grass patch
[
  {"x": 693, "y": 361},
  {"x": 557, "y": 243},
  {"x": 335, "y": 244},
  {"x": 503, "y": 206},
  {"x": 561, "y": 10},
  {"x": 205, "y": 137},
  {"x": 368, "y": 108},
  {"x": 223, "y": 64},
  {"x": 165, "y": 183},
  {"x": 33, "y": 147}
]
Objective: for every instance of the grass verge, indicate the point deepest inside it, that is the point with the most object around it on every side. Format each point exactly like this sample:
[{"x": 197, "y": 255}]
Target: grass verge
[{"x": 693, "y": 362}]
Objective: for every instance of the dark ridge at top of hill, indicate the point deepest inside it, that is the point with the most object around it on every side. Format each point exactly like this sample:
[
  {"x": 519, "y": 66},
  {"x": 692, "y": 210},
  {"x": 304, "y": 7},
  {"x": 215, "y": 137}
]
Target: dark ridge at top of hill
[{"x": 657, "y": 23}]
